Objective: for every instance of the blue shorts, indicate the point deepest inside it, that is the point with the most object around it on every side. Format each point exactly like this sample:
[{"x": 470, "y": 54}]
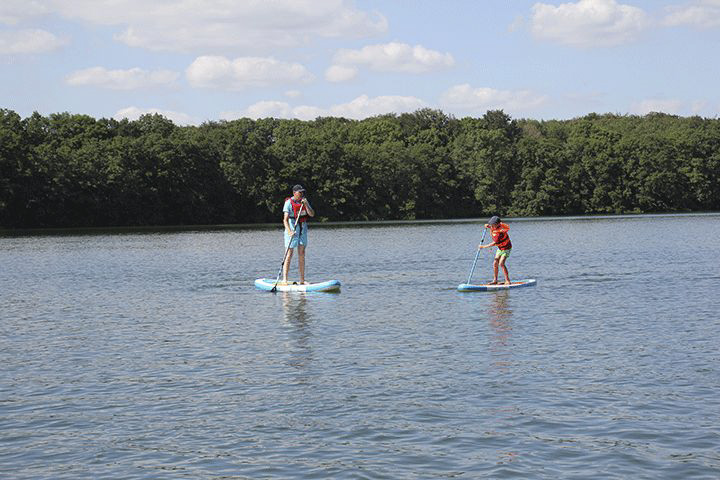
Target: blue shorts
[{"x": 300, "y": 236}]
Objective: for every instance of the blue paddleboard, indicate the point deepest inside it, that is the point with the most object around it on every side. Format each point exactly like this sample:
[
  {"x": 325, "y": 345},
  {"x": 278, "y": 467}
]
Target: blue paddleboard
[{"x": 470, "y": 287}]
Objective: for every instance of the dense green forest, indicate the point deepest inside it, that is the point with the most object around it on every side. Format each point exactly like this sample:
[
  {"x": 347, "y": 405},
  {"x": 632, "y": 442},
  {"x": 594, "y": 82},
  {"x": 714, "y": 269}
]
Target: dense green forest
[{"x": 66, "y": 170}]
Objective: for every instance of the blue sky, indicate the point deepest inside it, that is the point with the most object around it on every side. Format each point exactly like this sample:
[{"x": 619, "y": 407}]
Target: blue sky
[{"x": 206, "y": 60}]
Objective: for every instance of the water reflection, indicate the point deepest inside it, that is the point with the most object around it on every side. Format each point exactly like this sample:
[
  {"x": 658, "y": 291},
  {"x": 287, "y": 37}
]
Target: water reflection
[
  {"x": 296, "y": 315},
  {"x": 501, "y": 322},
  {"x": 504, "y": 415}
]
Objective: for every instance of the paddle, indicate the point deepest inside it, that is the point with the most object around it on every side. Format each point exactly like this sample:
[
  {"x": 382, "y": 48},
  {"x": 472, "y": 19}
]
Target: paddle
[
  {"x": 274, "y": 289},
  {"x": 482, "y": 239}
]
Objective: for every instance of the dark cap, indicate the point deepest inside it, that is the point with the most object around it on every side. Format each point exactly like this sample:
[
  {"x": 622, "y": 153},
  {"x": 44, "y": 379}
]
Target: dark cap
[
  {"x": 495, "y": 219},
  {"x": 298, "y": 188}
]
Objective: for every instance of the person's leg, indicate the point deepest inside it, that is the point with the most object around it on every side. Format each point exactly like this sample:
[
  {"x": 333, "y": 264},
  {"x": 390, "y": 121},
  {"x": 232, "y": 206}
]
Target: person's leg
[
  {"x": 495, "y": 271},
  {"x": 302, "y": 245},
  {"x": 504, "y": 269},
  {"x": 301, "y": 262},
  {"x": 286, "y": 265}
]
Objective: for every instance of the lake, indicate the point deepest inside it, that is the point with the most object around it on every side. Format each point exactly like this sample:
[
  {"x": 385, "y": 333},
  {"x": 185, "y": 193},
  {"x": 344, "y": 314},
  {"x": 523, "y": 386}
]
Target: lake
[{"x": 150, "y": 354}]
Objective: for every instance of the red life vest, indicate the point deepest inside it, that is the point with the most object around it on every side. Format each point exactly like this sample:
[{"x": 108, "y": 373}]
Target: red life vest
[
  {"x": 500, "y": 236},
  {"x": 296, "y": 208}
]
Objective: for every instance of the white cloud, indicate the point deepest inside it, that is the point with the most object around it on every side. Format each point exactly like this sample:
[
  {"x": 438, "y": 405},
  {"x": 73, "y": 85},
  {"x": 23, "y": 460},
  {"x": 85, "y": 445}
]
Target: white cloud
[
  {"x": 698, "y": 106},
  {"x": 308, "y": 112},
  {"x": 133, "y": 113},
  {"x": 699, "y": 14},
  {"x": 658, "y": 105},
  {"x": 13, "y": 12},
  {"x": 340, "y": 73},
  {"x": 469, "y": 99},
  {"x": 131, "y": 79},
  {"x": 222, "y": 25},
  {"x": 395, "y": 57},
  {"x": 223, "y": 73},
  {"x": 20, "y": 42},
  {"x": 517, "y": 24},
  {"x": 293, "y": 93},
  {"x": 359, "y": 108},
  {"x": 262, "y": 109},
  {"x": 588, "y": 23},
  {"x": 364, "y": 106}
]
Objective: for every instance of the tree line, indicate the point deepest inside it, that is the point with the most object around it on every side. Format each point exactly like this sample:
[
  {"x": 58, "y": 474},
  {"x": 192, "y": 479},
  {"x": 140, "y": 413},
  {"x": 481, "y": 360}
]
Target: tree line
[{"x": 69, "y": 170}]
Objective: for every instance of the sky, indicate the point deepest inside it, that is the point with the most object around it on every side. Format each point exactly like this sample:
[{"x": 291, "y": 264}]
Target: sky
[{"x": 195, "y": 61}]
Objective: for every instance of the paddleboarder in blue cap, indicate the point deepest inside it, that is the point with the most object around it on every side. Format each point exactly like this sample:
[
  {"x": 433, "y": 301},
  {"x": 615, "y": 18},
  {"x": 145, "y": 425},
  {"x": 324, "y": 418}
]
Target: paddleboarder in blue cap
[
  {"x": 296, "y": 211},
  {"x": 501, "y": 240}
]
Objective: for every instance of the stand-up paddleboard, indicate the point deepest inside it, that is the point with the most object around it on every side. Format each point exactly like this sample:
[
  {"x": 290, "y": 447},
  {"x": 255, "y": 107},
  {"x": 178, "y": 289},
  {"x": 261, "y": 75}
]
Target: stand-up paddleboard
[
  {"x": 269, "y": 283},
  {"x": 469, "y": 287}
]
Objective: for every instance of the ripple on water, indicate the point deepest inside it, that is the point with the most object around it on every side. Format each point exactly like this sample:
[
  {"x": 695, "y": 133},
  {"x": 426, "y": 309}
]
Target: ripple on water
[{"x": 152, "y": 356}]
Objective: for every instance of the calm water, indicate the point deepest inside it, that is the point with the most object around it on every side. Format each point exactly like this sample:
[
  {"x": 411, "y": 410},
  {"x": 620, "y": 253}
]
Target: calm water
[{"x": 151, "y": 355}]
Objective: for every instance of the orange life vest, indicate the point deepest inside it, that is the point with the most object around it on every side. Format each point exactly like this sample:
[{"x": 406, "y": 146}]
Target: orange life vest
[
  {"x": 500, "y": 236},
  {"x": 296, "y": 208}
]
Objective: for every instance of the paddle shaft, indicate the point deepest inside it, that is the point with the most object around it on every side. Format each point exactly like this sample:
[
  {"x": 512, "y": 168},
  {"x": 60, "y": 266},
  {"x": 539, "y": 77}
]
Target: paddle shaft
[
  {"x": 297, "y": 224},
  {"x": 482, "y": 239}
]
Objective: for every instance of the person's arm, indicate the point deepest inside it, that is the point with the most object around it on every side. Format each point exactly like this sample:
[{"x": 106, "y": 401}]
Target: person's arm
[
  {"x": 502, "y": 228},
  {"x": 308, "y": 208},
  {"x": 287, "y": 210},
  {"x": 286, "y": 223},
  {"x": 492, "y": 232}
]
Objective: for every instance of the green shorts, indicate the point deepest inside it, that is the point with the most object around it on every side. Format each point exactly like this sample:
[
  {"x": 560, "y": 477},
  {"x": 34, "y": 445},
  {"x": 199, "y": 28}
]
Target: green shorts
[{"x": 502, "y": 253}]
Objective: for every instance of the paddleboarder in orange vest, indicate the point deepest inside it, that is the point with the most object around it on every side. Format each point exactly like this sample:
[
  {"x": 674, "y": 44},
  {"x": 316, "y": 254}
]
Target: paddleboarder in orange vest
[
  {"x": 296, "y": 211},
  {"x": 501, "y": 240}
]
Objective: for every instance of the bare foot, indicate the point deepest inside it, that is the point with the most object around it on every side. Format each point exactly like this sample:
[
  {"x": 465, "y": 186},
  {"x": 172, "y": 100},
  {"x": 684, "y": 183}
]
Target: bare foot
[
  {"x": 494, "y": 282},
  {"x": 508, "y": 282}
]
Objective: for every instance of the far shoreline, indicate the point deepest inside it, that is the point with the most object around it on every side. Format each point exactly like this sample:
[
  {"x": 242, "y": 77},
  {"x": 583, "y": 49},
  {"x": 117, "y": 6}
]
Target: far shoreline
[{"x": 151, "y": 229}]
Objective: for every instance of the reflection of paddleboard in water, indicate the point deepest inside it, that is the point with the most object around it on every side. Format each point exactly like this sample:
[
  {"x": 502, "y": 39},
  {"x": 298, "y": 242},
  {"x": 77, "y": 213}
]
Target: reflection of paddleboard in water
[
  {"x": 268, "y": 284},
  {"x": 469, "y": 287}
]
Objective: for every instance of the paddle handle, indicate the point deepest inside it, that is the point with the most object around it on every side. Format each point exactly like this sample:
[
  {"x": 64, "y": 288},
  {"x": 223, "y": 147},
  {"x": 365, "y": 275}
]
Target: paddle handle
[{"x": 477, "y": 254}]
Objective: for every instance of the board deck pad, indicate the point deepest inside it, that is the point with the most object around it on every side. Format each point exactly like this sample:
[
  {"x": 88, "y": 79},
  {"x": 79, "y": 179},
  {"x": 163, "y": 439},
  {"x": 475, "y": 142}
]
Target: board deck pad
[
  {"x": 484, "y": 287},
  {"x": 268, "y": 284}
]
